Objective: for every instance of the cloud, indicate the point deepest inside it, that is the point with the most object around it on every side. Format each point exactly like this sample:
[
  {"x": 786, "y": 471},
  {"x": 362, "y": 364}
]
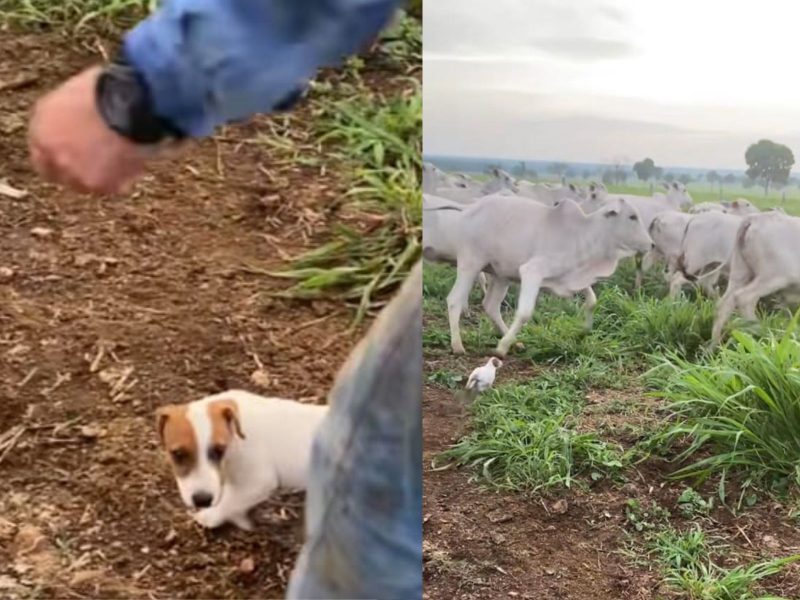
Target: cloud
[
  {"x": 586, "y": 49},
  {"x": 504, "y": 27},
  {"x": 585, "y": 81}
]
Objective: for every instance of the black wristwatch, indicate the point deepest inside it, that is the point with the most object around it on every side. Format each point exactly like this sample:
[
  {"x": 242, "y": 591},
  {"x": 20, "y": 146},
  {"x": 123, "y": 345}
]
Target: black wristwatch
[{"x": 125, "y": 104}]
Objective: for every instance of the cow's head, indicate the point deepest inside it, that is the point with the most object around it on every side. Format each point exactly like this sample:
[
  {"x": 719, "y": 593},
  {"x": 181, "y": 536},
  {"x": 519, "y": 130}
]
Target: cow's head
[
  {"x": 678, "y": 194},
  {"x": 597, "y": 192},
  {"x": 625, "y": 226}
]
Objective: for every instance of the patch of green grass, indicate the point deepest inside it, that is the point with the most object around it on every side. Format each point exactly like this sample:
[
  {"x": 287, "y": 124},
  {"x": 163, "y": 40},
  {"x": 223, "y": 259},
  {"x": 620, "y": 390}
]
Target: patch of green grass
[
  {"x": 524, "y": 438},
  {"x": 739, "y": 410},
  {"x": 691, "y": 504},
  {"x": 403, "y": 42},
  {"x": 688, "y": 568},
  {"x": 645, "y": 518},
  {"x": 447, "y": 379},
  {"x": 75, "y": 14},
  {"x": 380, "y": 140}
]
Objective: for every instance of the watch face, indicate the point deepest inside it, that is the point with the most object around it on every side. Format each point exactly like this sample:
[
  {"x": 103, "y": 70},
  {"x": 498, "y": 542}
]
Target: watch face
[{"x": 124, "y": 103}]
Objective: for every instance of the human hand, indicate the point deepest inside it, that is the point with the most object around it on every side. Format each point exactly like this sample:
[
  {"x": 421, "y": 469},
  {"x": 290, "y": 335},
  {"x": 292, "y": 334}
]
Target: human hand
[{"x": 71, "y": 144}]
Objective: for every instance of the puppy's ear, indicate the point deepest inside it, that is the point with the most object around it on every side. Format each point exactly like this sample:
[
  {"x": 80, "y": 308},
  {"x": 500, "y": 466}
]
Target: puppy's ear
[
  {"x": 228, "y": 410},
  {"x": 231, "y": 414},
  {"x": 162, "y": 416}
]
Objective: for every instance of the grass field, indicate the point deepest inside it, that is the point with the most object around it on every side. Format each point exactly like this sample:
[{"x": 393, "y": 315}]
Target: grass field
[{"x": 579, "y": 415}]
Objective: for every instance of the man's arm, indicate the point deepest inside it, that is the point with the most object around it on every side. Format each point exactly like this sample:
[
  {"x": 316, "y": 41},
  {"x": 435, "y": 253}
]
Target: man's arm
[
  {"x": 208, "y": 62},
  {"x": 196, "y": 64}
]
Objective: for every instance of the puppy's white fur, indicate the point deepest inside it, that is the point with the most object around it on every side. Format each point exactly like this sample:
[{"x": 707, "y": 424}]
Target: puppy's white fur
[{"x": 273, "y": 453}]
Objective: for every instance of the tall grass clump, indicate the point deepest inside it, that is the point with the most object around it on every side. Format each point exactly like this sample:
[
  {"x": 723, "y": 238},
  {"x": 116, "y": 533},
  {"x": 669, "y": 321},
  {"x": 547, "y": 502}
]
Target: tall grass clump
[
  {"x": 379, "y": 140},
  {"x": 523, "y": 437},
  {"x": 688, "y": 568},
  {"x": 644, "y": 325},
  {"x": 74, "y": 14},
  {"x": 738, "y": 411}
]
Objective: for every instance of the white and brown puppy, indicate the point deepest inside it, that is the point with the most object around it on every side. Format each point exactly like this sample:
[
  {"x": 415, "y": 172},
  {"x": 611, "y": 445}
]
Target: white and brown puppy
[{"x": 231, "y": 451}]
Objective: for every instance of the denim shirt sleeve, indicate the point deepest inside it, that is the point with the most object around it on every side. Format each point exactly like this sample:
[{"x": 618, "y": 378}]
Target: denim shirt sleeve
[{"x": 209, "y": 62}]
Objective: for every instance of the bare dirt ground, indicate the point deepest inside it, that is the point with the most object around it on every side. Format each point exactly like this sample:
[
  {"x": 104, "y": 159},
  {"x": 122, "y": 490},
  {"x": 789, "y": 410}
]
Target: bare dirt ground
[
  {"x": 480, "y": 543},
  {"x": 110, "y": 308}
]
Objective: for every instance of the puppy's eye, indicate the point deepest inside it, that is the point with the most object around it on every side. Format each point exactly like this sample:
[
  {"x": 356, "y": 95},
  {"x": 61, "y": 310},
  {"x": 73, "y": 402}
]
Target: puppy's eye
[
  {"x": 633, "y": 218},
  {"x": 216, "y": 453},
  {"x": 179, "y": 456}
]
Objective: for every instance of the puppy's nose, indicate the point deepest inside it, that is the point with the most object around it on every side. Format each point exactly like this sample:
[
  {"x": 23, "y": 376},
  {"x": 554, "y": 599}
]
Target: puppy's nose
[
  {"x": 202, "y": 500},
  {"x": 652, "y": 246}
]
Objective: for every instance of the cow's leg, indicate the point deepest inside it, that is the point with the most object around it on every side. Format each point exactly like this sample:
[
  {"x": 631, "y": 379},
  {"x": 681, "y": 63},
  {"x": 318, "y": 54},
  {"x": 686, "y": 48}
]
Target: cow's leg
[
  {"x": 589, "y": 304},
  {"x": 747, "y": 297},
  {"x": 458, "y": 300},
  {"x": 530, "y": 282},
  {"x": 676, "y": 282},
  {"x": 637, "y": 284},
  {"x": 650, "y": 259},
  {"x": 498, "y": 288},
  {"x": 709, "y": 283},
  {"x": 669, "y": 272},
  {"x": 483, "y": 280},
  {"x": 724, "y": 311}
]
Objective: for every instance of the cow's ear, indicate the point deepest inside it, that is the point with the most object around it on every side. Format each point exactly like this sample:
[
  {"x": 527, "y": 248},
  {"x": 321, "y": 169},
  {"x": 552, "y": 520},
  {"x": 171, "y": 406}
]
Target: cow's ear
[
  {"x": 675, "y": 185},
  {"x": 573, "y": 188},
  {"x": 665, "y": 186},
  {"x": 611, "y": 213}
]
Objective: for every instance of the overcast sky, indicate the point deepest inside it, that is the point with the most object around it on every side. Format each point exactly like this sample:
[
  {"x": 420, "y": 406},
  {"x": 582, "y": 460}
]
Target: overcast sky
[{"x": 687, "y": 82}]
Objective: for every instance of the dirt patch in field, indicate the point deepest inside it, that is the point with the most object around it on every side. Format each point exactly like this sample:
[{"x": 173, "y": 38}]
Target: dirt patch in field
[
  {"x": 480, "y": 543},
  {"x": 110, "y": 308}
]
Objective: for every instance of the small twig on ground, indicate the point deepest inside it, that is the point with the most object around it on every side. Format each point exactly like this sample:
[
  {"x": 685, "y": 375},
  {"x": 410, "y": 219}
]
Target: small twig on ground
[
  {"x": 20, "y": 82},
  {"x": 9, "y": 439},
  {"x": 744, "y": 535},
  {"x": 307, "y": 324},
  {"x": 28, "y": 377}
]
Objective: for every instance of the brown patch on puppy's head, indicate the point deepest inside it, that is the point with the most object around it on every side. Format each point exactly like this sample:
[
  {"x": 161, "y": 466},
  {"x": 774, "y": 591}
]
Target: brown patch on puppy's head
[
  {"x": 177, "y": 438},
  {"x": 225, "y": 424}
]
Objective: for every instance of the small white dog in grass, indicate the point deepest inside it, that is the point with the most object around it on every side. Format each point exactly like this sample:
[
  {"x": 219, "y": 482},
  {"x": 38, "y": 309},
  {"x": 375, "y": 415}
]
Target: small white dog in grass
[
  {"x": 230, "y": 451},
  {"x": 482, "y": 378}
]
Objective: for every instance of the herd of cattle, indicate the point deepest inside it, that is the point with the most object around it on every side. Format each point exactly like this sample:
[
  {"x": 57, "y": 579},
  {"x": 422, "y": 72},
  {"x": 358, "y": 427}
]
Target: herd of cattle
[{"x": 564, "y": 238}]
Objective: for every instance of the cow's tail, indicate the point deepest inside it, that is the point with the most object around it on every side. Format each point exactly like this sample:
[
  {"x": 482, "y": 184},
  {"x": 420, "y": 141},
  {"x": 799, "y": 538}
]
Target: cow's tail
[{"x": 738, "y": 262}]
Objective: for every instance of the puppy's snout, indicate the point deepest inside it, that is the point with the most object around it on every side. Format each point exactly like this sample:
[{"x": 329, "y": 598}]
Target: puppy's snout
[{"x": 202, "y": 499}]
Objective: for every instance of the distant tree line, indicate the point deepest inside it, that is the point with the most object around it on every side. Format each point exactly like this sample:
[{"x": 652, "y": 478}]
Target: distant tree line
[{"x": 769, "y": 165}]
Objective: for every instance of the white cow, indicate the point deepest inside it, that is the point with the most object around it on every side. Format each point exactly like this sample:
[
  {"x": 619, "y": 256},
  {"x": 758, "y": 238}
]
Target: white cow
[
  {"x": 467, "y": 191},
  {"x": 433, "y": 178},
  {"x": 763, "y": 262},
  {"x": 741, "y": 207},
  {"x": 675, "y": 199},
  {"x": 703, "y": 207},
  {"x": 667, "y": 231},
  {"x": 550, "y": 195},
  {"x": 440, "y": 228},
  {"x": 705, "y": 251},
  {"x": 559, "y": 249}
]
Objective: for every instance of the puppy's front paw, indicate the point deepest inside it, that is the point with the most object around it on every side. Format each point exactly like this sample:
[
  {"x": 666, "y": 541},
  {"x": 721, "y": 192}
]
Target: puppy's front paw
[
  {"x": 243, "y": 522},
  {"x": 210, "y": 518}
]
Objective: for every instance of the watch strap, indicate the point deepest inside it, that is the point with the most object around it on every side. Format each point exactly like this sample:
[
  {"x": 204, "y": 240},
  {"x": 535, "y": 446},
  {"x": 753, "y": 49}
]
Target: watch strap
[{"x": 126, "y": 106}]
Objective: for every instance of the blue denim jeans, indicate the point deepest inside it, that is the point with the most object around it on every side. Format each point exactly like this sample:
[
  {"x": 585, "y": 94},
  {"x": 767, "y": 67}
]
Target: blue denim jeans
[{"x": 364, "y": 499}]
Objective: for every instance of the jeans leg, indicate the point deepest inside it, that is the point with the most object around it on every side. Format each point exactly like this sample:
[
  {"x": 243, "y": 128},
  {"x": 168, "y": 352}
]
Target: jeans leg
[{"x": 364, "y": 498}]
